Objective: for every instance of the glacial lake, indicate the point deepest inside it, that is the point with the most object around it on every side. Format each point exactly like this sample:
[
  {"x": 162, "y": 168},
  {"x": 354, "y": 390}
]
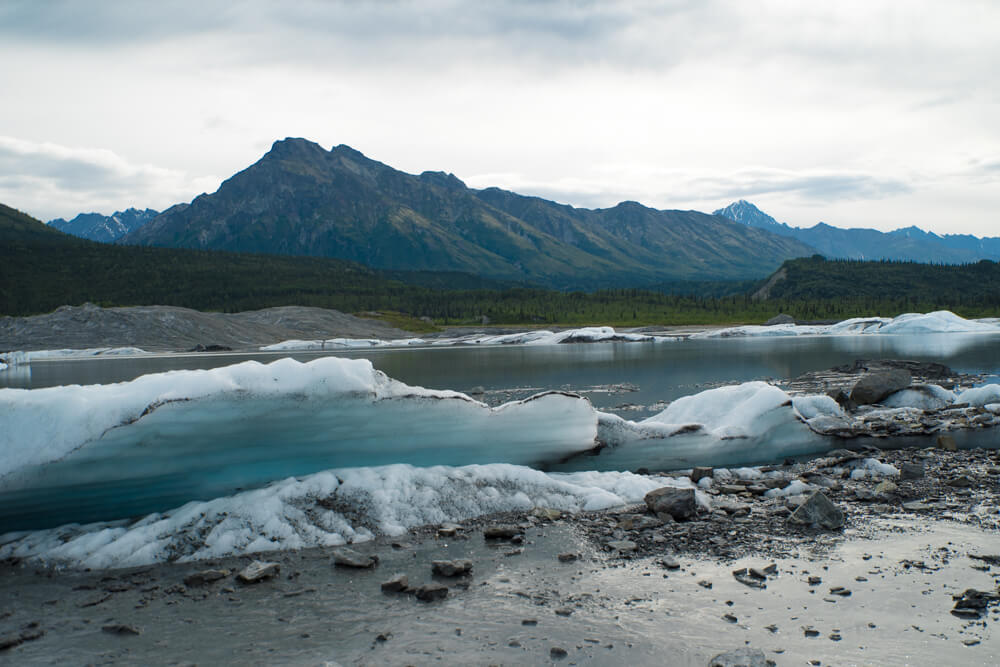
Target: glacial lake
[{"x": 633, "y": 380}]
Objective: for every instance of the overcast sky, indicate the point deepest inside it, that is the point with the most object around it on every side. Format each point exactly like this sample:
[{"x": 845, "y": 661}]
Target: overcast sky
[{"x": 860, "y": 114}]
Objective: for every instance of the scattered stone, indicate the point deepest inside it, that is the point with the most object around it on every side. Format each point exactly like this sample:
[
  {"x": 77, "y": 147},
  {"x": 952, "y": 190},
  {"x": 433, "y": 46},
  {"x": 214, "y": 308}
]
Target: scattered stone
[
  {"x": 670, "y": 563},
  {"x": 705, "y": 583},
  {"x": 815, "y": 581},
  {"x": 741, "y": 657},
  {"x": 431, "y": 592},
  {"x": 730, "y": 618},
  {"x": 841, "y": 591},
  {"x": 818, "y": 510},
  {"x": 557, "y": 653},
  {"x": 258, "y": 571},
  {"x": 810, "y": 632},
  {"x": 678, "y": 504},
  {"x": 501, "y": 532},
  {"x": 623, "y": 546},
  {"x": 121, "y": 629},
  {"x": 205, "y": 577},
  {"x": 529, "y": 621},
  {"x": 564, "y": 611},
  {"x": 700, "y": 472},
  {"x": 448, "y": 529},
  {"x": 884, "y": 488},
  {"x": 972, "y": 603},
  {"x": 397, "y": 584},
  {"x": 751, "y": 577},
  {"x": 961, "y": 482},
  {"x": 908, "y": 471},
  {"x": 873, "y": 387},
  {"x": 451, "y": 568},
  {"x": 344, "y": 557},
  {"x": 567, "y": 557},
  {"x": 546, "y": 513}
]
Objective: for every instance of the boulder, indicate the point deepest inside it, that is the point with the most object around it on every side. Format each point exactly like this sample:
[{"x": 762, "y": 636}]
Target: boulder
[
  {"x": 258, "y": 571},
  {"x": 818, "y": 510},
  {"x": 501, "y": 531},
  {"x": 700, "y": 472},
  {"x": 431, "y": 592},
  {"x": 873, "y": 387},
  {"x": 451, "y": 568},
  {"x": 345, "y": 557},
  {"x": 741, "y": 657},
  {"x": 397, "y": 584},
  {"x": 884, "y": 487},
  {"x": 909, "y": 470},
  {"x": 679, "y": 504}
]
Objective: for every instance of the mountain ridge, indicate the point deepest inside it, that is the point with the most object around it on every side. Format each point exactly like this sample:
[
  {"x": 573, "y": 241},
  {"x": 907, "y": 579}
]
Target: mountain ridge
[
  {"x": 906, "y": 243},
  {"x": 299, "y": 199},
  {"x": 104, "y": 228}
]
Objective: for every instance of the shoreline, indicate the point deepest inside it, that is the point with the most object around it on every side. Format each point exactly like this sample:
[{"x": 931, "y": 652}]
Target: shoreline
[{"x": 611, "y": 604}]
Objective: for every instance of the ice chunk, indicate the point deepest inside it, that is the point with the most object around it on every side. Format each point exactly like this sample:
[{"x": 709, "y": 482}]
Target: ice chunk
[
  {"x": 925, "y": 397},
  {"x": 795, "y": 488},
  {"x": 988, "y": 393},
  {"x": 817, "y": 405},
  {"x": 329, "y": 508},
  {"x": 99, "y": 452},
  {"x": 942, "y": 321}
]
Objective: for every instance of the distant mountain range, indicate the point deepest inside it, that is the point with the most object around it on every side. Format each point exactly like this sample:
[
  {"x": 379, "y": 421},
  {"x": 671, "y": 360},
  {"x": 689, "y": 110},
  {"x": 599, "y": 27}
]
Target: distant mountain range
[
  {"x": 300, "y": 199},
  {"x": 104, "y": 228},
  {"x": 910, "y": 243}
]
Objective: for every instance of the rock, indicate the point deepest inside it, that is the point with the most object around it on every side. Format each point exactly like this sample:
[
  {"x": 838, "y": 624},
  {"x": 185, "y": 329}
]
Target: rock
[
  {"x": 546, "y": 513},
  {"x": 205, "y": 577},
  {"x": 121, "y": 629},
  {"x": 397, "y": 584},
  {"x": 841, "y": 591},
  {"x": 742, "y": 657},
  {"x": 873, "y": 387},
  {"x": 884, "y": 487},
  {"x": 818, "y": 510},
  {"x": 567, "y": 557},
  {"x": 751, "y": 577},
  {"x": 700, "y": 472},
  {"x": 815, "y": 581},
  {"x": 909, "y": 470},
  {"x": 451, "y": 568},
  {"x": 679, "y": 504},
  {"x": 258, "y": 571},
  {"x": 972, "y": 603},
  {"x": 670, "y": 563},
  {"x": 503, "y": 531},
  {"x": 642, "y": 522},
  {"x": 344, "y": 557},
  {"x": 623, "y": 546},
  {"x": 431, "y": 592},
  {"x": 947, "y": 443},
  {"x": 557, "y": 653},
  {"x": 961, "y": 482},
  {"x": 731, "y": 488},
  {"x": 448, "y": 529}
]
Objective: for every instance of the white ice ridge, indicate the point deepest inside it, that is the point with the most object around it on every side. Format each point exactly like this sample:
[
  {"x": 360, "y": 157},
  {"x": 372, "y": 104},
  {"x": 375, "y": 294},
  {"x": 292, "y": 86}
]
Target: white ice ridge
[
  {"x": 744, "y": 423},
  {"x": 330, "y": 508},
  {"x": 539, "y": 337},
  {"x": 941, "y": 321},
  {"x": 18, "y": 357}
]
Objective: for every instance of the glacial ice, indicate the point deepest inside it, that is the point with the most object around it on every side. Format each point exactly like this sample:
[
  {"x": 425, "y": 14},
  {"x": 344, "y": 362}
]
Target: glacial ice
[
  {"x": 329, "y": 508},
  {"x": 942, "y": 321},
  {"x": 980, "y": 396},
  {"x": 925, "y": 397},
  {"x": 96, "y": 452},
  {"x": 537, "y": 337},
  {"x": 18, "y": 357}
]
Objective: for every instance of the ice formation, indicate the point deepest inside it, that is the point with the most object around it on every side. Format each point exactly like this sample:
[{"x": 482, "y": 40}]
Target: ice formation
[
  {"x": 925, "y": 397},
  {"x": 16, "y": 358},
  {"x": 942, "y": 321},
  {"x": 95, "y": 452},
  {"x": 329, "y": 508},
  {"x": 538, "y": 337},
  {"x": 980, "y": 396}
]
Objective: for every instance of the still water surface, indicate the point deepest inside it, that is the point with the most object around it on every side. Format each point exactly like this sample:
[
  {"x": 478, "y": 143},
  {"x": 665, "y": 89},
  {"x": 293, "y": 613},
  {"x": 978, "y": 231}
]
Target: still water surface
[{"x": 655, "y": 372}]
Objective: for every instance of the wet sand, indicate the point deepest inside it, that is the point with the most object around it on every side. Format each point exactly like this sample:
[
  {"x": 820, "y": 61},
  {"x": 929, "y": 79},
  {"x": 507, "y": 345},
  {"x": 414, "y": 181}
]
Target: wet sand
[{"x": 523, "y": 605}]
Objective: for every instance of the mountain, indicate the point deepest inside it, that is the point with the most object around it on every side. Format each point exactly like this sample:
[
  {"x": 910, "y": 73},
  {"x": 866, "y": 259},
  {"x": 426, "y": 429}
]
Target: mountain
[
  {"x": 104, "y": 228},
  {"x": 909, "y": 244},
  {"x": 300, "y": 199}
]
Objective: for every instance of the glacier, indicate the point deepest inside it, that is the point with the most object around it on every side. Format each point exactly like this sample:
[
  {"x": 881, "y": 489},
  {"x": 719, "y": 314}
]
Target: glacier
[{"x": 941, "y": 321}]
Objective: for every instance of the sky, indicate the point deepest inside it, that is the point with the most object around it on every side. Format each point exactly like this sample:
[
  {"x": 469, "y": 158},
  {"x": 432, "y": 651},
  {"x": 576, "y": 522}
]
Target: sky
[{"x": 859, "y": 114}]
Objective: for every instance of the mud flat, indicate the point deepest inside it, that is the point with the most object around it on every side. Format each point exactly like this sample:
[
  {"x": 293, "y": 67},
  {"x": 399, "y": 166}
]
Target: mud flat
[{"x": 626, "y": 586}]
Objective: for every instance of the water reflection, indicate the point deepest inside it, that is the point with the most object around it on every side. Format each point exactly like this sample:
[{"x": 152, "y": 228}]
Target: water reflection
[{"x": 661, "y": 371}]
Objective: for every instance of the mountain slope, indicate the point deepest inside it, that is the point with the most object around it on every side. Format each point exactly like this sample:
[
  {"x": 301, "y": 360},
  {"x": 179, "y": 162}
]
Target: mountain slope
[
  {"x": 909, "y": 244},
  {"x": 104, "y": 228},
  {"x": 300, "y": 199}
]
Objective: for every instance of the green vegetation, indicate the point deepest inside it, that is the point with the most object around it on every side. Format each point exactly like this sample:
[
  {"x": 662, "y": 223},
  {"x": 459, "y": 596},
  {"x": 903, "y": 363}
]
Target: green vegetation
[{"x": 42, "y": 269}]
